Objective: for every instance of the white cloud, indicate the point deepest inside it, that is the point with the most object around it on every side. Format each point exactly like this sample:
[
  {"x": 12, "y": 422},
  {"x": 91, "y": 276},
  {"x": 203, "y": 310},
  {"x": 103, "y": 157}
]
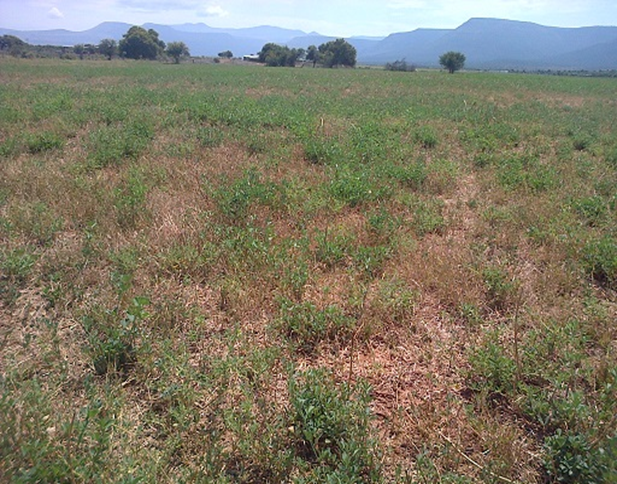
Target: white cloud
[
  {"x": 160, "y": 5},
  {"x": 55, "y": 13},
  {"x": 215, "y": 11}
]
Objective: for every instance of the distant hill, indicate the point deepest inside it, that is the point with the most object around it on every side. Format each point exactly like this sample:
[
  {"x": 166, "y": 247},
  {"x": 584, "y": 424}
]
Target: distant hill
[
  {"x": 487, "y": 43},
  {"x": 412, "y": 46},
  {"x": 494, "y": 43},
  {"x": 504, "y": 44},
  {"x": 201, "y": 39},
  {"x": 106, "y": 30}
]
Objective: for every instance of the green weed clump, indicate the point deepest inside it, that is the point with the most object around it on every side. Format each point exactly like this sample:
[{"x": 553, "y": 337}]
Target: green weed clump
[
  {"x": 235, "y": 200},
  {"x": 53, "y": 448},
  {"x": 356, "y": 187},
  {"x": 494, "y": 367},
  {"x": 112, "y": 336},
  {"x": 308, "y": 326},
  {"x": 412, "y": 175},
  {"x": 428, "y": 217},
  {"x": 210, "y": 136},
  {"x": 129, "y": 199},
  {"x": 113, "y": 145},
  {"x": 331, "y": 425},
  {"x": 9, "y": 147},
  {"x": 571, "y": 458},
  {"x": 593, "y": 210},
  {"x": 395, "y": 301},
  {"x": 546, "y": 381},
  {"x": 501, "y": 289},
  {"x": 333, "y": 248},
  {"x": 581, "y": 142},
  {"x": 16, "y": 265},
  {"x": 426, "y": 136},
  {"x": 600, "y": 260},
  {"x": 46, "y": 141},
  {"x": 322, "y": 150}
]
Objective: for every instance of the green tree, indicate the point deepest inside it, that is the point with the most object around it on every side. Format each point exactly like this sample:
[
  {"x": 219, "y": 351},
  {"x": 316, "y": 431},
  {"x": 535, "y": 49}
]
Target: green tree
[
  {"x": 177, "y": 50},
  {"x": 453, "y": 61},
  {"x": 79, "y": 49},
  {"x": 14, "y": 45},
  {"x": 338, "y": 52},
  {"x": 276, "y": 55},
  {"x": 108, "y": 47},
  {"x": 312, "y": 54},
  {"x": 139, "y": 43},
  {"x": 155, "y": 36},
  {"x": 400, "y": 65},
  {"x": 227, "y": 54},
  {"x": 8, "y": 41}
]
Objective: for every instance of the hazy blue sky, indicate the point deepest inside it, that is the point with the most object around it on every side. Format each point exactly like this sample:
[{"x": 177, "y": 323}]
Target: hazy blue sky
[{"x": 330, "y": 17}]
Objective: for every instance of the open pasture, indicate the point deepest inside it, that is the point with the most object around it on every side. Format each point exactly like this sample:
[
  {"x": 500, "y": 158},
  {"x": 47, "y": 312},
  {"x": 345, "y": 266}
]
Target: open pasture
[{"x": 242, "y": 274}]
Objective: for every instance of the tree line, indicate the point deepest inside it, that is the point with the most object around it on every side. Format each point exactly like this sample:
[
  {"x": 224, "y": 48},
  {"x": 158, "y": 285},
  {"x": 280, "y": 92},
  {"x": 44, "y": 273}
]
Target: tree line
[
  {"x": 334, "y": 53},
  {"x": 139, "y": 43},
  {"x": 136, "y": 43}
]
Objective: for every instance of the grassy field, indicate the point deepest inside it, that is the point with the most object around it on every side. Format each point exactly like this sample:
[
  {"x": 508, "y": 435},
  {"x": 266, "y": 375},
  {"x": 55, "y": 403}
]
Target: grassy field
[{"x": 241, "y": 274}]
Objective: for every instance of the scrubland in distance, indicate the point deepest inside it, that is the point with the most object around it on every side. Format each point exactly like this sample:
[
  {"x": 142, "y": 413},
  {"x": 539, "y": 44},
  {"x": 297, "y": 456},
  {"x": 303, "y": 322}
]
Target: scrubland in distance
[{"x": 238, "y": 274}]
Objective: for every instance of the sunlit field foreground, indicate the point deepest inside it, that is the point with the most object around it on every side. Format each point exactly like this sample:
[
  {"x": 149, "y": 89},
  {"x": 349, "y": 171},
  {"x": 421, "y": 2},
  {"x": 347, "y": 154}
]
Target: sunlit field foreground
[{"x": 243, "y": 274}]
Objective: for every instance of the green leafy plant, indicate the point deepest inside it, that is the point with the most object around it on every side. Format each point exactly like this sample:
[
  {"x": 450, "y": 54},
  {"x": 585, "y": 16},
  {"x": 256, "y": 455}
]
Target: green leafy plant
[
  {"x": 333, "y": 248},
  {"x": 331, "y": 424},
  {"x": 370, "y": 259},
  {"x": 592, "y": 210},
  {"x": 321, "y": 150},
  {"x": 235, "y": 199},
  {"x": 501, "y": 289},
  {"x": 46, "y": 141},
  {"x": 307, "y": 326},
  {"x": 112, "y": 145},
  {"x": 53, "y": 446},
  {"x": 130, "y": 198},
  {"x": 428, "y": 217},
  {"x": 426, "y": 136},
  {"x": 396, "y": 301},
  {"x": 210, "y": 136},
  {"x": 412, "y": 175},
  {"x": 600, "y": 260},
  {"x": 572, "y": 459},
  {"x": 112, "y": 336},
  {"x": 492, "y": 369},
  {"x": 356, "y": 186},
  {"x": 581, "y": 142},
  {"x": 37, "y": 221},
  {"x": 15, "y": 267}
]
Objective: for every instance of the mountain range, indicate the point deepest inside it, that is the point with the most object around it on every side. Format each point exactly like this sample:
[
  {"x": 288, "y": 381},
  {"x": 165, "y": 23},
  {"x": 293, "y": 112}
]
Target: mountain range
[{"x": 487, "y": 43}]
